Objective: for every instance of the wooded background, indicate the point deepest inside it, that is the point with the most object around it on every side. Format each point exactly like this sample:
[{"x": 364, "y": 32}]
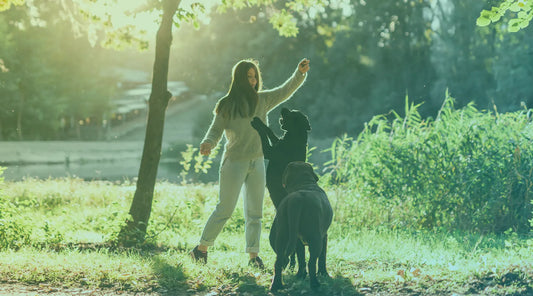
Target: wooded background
[{"x": 365, "y": 58}]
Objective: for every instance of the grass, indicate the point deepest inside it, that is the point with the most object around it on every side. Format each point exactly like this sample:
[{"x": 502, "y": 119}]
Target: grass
[{"x": 64, "y": 227}]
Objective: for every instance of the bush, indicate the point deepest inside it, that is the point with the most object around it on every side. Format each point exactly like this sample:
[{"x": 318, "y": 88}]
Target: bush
[
  {"x": 13, "y": 233},
  {"x": 467, "y": 169}
]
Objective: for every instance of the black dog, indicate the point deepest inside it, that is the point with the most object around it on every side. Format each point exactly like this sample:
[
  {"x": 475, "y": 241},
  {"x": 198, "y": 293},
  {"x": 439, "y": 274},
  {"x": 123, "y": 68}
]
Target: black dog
[
  {"x": 280, "y": 151},
  {"x": 303, "y": 217}
]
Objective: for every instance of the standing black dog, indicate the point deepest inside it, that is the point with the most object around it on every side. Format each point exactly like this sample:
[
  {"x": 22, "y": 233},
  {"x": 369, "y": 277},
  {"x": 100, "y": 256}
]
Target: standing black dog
[
  {"x": 303, "y": 216},
  {"x": 280, "y": 151}
]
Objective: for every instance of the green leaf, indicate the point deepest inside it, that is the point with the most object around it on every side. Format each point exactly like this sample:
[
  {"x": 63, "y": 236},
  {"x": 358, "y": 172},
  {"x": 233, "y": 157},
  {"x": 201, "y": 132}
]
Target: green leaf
[
  {"x": 487, "y": 14},
  {"x": 515, "y": 25},
  {"x": 285, "y": 23},
  {"x": 515, "y": 7},
  {"x": 483, "y": 21},
  {"x": 495, "y": 17}
]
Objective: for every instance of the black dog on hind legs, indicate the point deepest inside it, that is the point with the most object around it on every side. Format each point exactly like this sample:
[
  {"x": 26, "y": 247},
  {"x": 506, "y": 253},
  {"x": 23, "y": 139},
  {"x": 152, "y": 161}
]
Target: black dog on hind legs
[
  {"x": 280, "y": 151},
  {"x": 303, "y": 217}
]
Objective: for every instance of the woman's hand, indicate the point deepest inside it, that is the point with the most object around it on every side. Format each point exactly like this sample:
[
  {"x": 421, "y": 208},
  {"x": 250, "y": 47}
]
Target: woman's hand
[
  {"x": 303, "y": 66},
  {"x": 205, "y": 148}
]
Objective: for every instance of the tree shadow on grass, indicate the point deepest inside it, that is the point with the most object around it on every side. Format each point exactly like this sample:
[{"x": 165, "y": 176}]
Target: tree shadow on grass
[
  {"x": 240, "y": 283},
  {"x": 335, "y": 285},
  {"x": 170, "y": 276},
  {"x": 247, "y": 284}
]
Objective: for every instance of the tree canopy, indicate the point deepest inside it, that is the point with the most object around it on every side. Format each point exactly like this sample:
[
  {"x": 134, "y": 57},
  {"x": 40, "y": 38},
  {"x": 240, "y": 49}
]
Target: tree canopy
[
  {"x": 521, "y": 14},
  {"x": 6, "y": 4}
]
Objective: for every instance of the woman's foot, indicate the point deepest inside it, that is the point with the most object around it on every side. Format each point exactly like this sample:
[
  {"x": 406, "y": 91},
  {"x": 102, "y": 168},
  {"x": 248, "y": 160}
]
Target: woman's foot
[
  {"x": 198, "y": 255},
  {"x": 256, "y": 262}
]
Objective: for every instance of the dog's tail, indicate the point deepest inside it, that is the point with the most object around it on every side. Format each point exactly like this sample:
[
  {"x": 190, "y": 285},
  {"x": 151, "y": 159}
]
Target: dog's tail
[{"x": 294, "y": 223}]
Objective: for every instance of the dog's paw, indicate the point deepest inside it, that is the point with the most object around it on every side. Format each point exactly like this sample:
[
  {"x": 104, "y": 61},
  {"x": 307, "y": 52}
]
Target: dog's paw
[
  {"x": 323, "y": 273},
  {"x": 292, "y": 265},
  {"x": 302, "y": 273},
  {"x": 314, "y": 284},
  {"x": 276, "y": 287},
  {"x": 256, "y": 123}
]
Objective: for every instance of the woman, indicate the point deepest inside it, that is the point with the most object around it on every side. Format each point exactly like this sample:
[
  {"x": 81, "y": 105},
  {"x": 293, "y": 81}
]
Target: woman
[{"x": 242, "y": 160}]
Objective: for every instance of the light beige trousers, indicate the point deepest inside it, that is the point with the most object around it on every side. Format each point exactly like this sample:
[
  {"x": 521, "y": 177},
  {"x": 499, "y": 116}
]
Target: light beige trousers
[{"x": 233, "y": 175}]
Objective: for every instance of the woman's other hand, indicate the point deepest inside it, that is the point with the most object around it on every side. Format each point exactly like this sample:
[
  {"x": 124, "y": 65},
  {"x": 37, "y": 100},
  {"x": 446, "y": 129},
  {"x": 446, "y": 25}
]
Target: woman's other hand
[
  {"x": 303, "y": 66},
  {"x": 205, "y": 148}
]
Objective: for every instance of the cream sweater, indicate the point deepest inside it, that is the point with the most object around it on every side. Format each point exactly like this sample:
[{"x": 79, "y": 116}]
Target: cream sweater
[{"x": 242, "y": 140}]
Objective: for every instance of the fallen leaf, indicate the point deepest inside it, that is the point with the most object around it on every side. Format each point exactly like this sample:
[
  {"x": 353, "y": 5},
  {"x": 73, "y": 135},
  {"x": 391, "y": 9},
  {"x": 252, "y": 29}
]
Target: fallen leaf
[
  {"x": 401, "y": 273},
  {"x": 416, "y": 272}
]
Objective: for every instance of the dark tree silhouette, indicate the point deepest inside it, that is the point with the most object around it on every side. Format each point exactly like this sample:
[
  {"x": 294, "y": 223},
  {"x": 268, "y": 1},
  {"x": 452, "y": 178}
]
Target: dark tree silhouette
[{"x": 141, "y": 206}]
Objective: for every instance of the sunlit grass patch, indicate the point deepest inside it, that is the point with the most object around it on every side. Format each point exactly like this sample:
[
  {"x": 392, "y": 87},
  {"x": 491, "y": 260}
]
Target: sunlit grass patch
[
  {"x": 74, "y": 268},
  {"x": 71, "y": 244},
  {"x": 427, "y": 259}
]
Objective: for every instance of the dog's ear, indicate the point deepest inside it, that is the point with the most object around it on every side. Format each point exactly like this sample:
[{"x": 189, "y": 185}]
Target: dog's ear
[
  {"x": 311, "y": 171},
  {"x": 305, "y": 122},
  {"x": 290, "y": 176}
]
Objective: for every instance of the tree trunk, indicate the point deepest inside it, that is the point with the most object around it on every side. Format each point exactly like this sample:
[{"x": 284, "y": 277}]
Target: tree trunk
[{"x": 141, "y": 206}]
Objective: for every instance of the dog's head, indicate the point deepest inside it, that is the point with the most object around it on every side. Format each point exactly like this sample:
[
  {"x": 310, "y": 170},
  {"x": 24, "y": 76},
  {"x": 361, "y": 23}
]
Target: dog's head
[
  {"x": 293, "y": 120},
  {"x": 298, "y": 173}
]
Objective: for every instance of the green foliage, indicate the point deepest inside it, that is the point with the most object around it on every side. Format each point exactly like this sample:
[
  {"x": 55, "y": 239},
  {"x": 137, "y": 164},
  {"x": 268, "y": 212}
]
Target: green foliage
[
  {"x": 97, "y": 213},
  {"x": 282, "y": 15},
  {"x": 13, "y": 231},
  {"x": 521, "y": 10},
  {"x": 51, "y": 237},
  {"x": 363, "y": 61},
  {"x": 6, "y": 4},
  {"x": 190, "y": 16},
  {"x": 467, "y": 169},
  {"x": 192, "y": 160},
  {"x": 284, "y": 22},
  {"x": 54, "y": 80}
]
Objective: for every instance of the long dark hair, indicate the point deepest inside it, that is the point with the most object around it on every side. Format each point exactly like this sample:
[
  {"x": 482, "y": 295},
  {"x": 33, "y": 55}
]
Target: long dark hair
[{"x": 241, "y": 99}]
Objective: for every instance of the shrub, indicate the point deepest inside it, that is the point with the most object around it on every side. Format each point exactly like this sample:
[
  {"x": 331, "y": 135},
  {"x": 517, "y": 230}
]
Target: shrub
[
  {"x": 466, "y": 169},
  {"x": 13, "y": 233}
]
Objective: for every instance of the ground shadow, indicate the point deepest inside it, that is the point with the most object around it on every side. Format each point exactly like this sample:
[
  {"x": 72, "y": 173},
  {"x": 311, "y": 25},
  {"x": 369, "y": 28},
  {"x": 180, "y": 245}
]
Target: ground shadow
[
  {"x": 170, "y": 277},
  {"x": 335, "y": 285}
]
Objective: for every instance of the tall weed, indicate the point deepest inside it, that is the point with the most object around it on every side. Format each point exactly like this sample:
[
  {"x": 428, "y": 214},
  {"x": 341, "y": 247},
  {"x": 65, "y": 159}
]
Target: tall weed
[
  {"x": 466, "y": 169},
  {"x": 13, "y": 232}
]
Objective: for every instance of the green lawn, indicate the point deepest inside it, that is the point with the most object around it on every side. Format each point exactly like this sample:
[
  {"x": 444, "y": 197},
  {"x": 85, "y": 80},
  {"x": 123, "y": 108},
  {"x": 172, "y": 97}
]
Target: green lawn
[{"x": 60, "y": 232}]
